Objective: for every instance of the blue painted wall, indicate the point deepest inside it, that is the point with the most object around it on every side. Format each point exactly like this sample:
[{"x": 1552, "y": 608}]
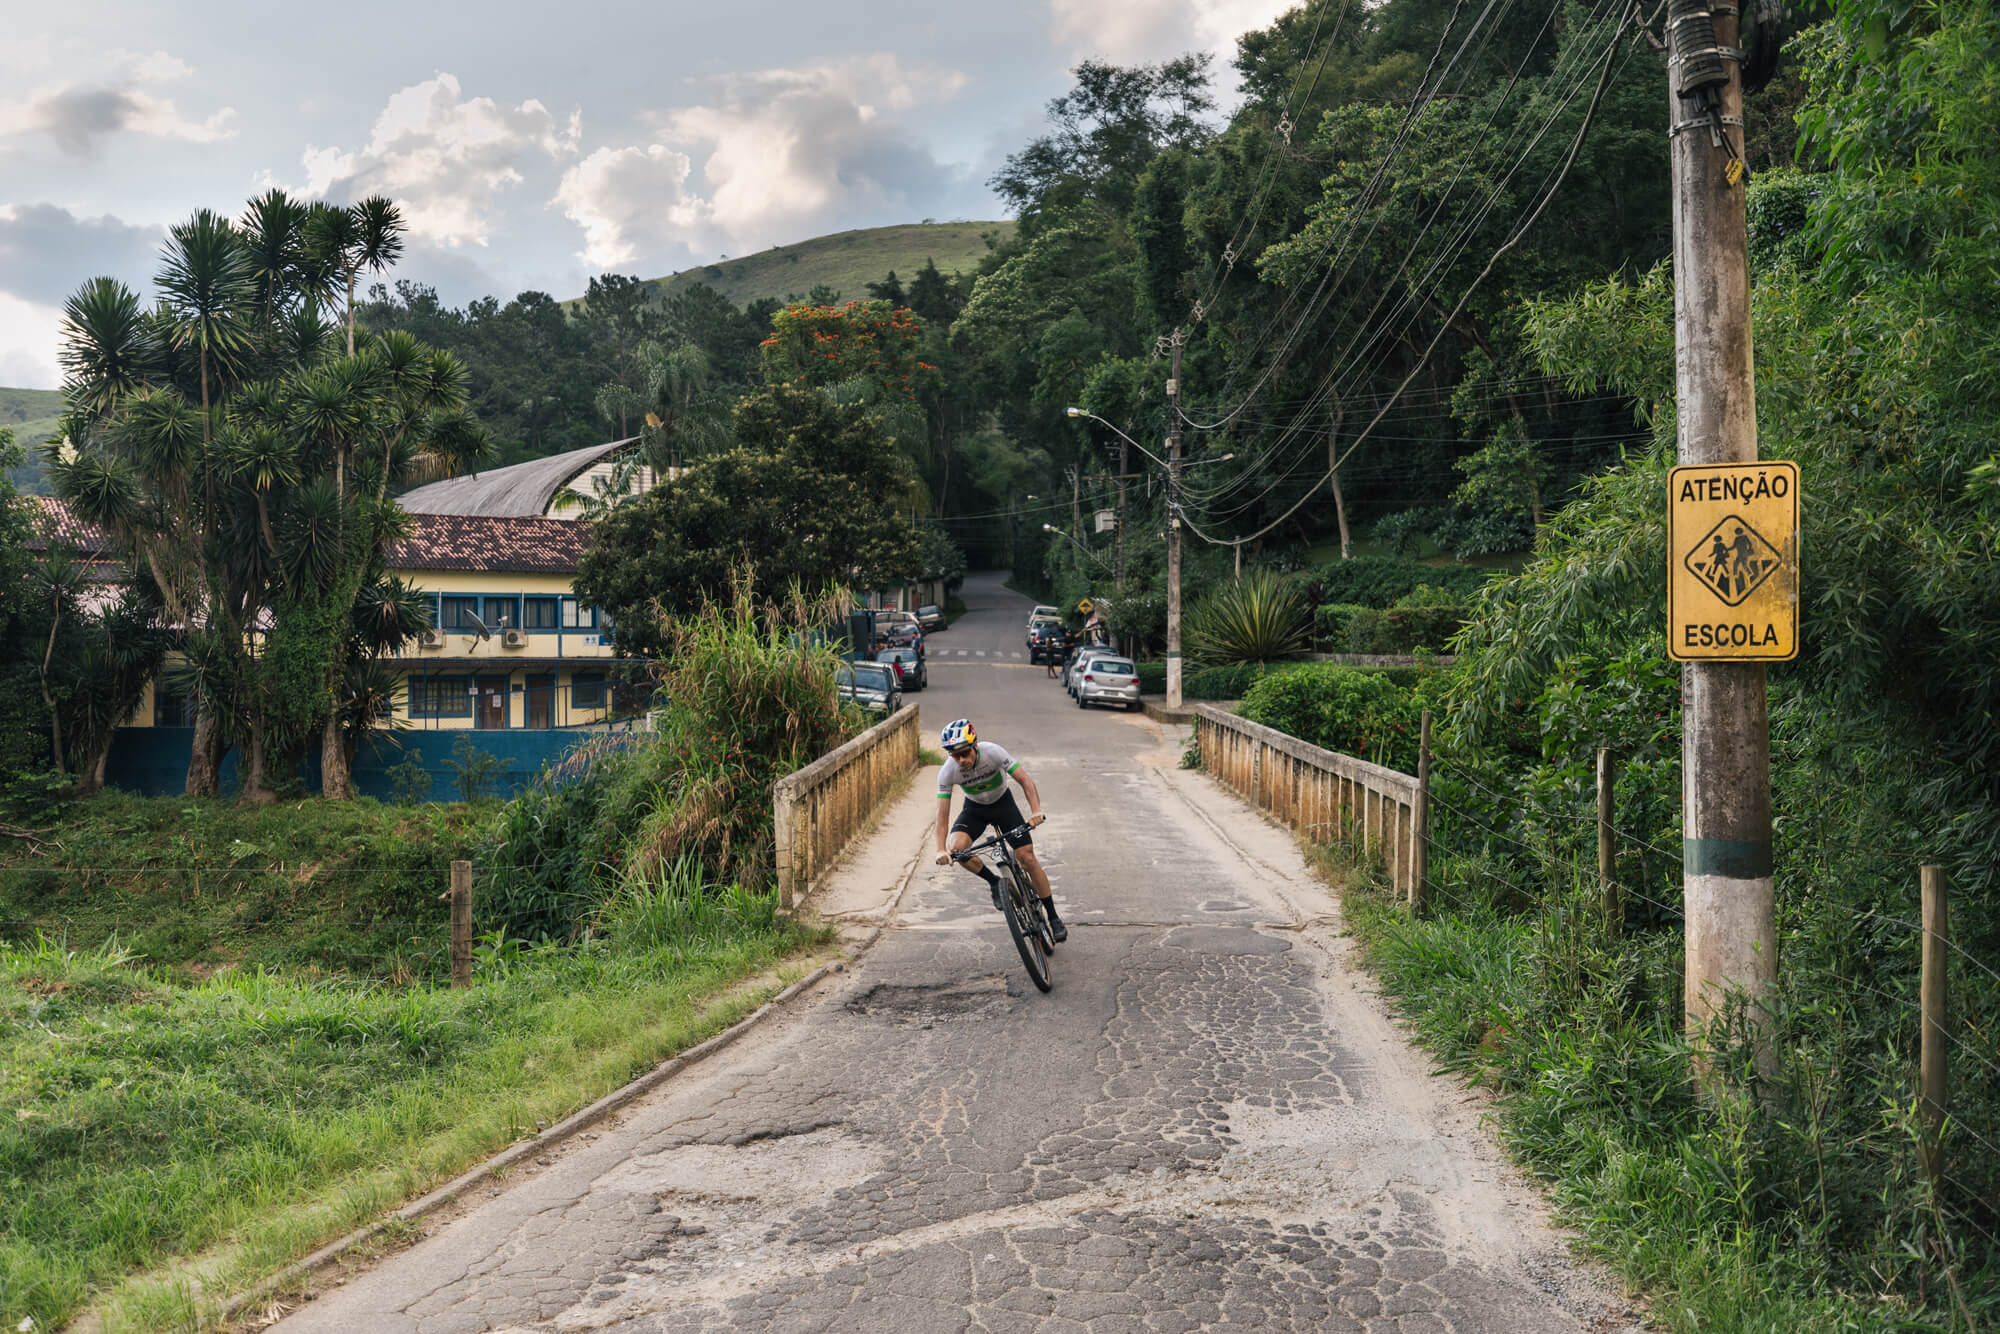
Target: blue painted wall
[{"x": 153, "y": 761}]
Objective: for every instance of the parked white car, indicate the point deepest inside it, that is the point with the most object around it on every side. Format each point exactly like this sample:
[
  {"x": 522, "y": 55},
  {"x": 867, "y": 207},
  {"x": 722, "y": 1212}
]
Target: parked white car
[
  {"x": 1043, "y": 612},
  {"x": 1104, "y": 679}
]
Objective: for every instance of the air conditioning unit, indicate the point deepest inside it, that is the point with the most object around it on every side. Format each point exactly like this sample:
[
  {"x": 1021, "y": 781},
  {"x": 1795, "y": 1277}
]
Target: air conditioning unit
[
  {"x": 514, "y": 638},
  {"x": 431, "y": 639}
]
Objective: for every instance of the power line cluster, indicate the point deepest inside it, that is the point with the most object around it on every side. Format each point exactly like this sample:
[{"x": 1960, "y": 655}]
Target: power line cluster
[{"x": 1373, "y": 337}]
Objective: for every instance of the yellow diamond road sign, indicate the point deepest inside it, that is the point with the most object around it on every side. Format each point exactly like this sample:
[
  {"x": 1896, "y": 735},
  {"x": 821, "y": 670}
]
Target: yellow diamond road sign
[
  {"x": 1733, "y": 562},
  {"x": 1086, "y": 606}
]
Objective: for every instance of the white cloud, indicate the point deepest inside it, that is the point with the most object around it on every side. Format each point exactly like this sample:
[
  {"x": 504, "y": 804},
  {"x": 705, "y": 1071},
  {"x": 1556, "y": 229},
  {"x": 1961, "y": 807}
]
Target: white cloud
[
  {"x": 783, "y": 152},
  {"x": 445, "y": 158},
  {"x": 28, "y": 338},
  {"x": 1133, "y": 31}
]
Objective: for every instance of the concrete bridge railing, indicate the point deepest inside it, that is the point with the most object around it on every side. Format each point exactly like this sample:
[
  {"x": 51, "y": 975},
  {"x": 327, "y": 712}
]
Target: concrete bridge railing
[
  {"x": 818, "y": 810},
  {"x": 1323, "y": 794}
]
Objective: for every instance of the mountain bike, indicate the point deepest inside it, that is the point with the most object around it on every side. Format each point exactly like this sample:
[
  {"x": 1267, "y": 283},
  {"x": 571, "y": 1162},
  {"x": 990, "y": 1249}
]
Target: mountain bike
[{"x": 1027, "y": 919}]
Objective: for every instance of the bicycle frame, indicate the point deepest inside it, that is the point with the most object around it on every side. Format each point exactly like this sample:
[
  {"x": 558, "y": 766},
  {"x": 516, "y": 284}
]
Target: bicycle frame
[{"x": 1027, "y": 917}]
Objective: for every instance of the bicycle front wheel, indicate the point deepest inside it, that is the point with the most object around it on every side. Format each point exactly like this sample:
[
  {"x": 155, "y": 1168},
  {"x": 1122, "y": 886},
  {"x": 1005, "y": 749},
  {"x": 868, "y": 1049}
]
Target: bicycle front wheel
[{"x": 1026, "y": 930}]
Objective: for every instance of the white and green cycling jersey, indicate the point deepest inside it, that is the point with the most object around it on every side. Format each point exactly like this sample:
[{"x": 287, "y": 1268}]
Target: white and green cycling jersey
[{"x": 985, "y": 782}]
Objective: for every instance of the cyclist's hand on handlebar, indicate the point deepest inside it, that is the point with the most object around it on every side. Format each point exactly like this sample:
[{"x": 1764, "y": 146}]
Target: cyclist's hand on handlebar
[
  {"x": 1035, "y": 820},
  {"x": 944, "y": 858}
]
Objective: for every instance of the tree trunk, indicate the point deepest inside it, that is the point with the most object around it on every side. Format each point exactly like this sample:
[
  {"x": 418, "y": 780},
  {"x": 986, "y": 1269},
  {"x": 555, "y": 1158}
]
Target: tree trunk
[
  {"x": 334, "y": 781},
  {"x": 256, "y": 781},
  {"x": 350, "y": 310},
  {"x": 204, "y": 776},
  {"x": 48, "y": 696},
  {"x": 1333, "y": 475}
]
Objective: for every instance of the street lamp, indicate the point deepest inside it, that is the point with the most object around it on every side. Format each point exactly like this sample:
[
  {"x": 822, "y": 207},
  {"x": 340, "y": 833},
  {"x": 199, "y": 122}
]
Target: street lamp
[
  {"x": 1051, "y": 528},
  {"x": 1174, "y": 466}
]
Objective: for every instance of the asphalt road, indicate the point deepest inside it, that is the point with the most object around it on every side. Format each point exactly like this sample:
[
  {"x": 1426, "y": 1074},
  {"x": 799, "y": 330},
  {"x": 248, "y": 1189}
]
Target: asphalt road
[{"x": 1210, "y": 1123}]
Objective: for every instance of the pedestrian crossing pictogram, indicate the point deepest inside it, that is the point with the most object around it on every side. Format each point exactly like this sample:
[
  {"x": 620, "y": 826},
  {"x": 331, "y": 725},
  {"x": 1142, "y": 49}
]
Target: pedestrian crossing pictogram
[{"x": 1733, "y": 560}]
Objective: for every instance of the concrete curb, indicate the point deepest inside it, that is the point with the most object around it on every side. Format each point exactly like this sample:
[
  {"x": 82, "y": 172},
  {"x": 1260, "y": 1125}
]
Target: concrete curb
[{"x": 528, "y": 1148}]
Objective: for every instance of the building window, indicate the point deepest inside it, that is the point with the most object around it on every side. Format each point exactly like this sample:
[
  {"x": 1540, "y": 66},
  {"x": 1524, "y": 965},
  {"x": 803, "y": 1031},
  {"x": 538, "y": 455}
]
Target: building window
[
  {"x": 502, "y": 613},
  {"x": 586, "y": 690},
  {"x": 440, "y": 696},
  {"x": 170, "y": 707},
  {"x": 458, "y": 614},
  {"x": 577, "y": 618},
  {"x": 538, "y": 614}
]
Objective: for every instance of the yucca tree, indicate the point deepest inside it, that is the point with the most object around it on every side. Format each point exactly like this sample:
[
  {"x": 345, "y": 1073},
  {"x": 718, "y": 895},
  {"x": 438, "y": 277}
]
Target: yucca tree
[
  {"x": 245, "y": 461},
  {"x": 1258, "y": 619},
  {"x": 364, "y": 236}
]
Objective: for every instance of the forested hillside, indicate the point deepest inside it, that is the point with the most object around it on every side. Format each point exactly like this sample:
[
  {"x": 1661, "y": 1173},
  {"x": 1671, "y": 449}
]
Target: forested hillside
[
  {"x": 844, "y": 262},
  {"x": 32, "y": 415}
]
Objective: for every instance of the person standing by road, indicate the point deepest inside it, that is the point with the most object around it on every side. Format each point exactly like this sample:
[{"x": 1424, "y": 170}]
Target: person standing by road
[{"x": 982, "y": 769}]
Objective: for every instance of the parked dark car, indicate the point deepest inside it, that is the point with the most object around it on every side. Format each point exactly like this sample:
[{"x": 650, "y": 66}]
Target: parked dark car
[
  {"x": 931, "y": 618},
  {"x": 909, "y": 668},
  {"x": 1045, "y": 641},
  {"x": 872, "y": 685}
]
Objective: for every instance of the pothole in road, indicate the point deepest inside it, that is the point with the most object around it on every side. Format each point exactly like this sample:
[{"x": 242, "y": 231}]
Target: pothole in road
[{"x": 925, "y": 1003}]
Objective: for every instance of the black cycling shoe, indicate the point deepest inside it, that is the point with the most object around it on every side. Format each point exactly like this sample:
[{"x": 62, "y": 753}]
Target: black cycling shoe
[
  {"x": 1057, "y": 931},
  {"x": 996, "y": 897}
]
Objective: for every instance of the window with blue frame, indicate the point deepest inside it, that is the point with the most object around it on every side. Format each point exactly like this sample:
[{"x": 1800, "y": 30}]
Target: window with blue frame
[
  {"x": 440, "y": 696},
  {"x": 539, "y": 614},
  {"x": 458, "y": 614},
  {"x": 586, "y": 690},
  {"x": 575, "y": 617},
  {"x": 503, "y": 613}
]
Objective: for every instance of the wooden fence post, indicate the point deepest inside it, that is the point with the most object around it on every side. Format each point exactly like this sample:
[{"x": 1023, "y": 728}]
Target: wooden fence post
[
  {"x": 1931, "y": 1067},
  {"x": 1607, "y": 848},
  {"x": 461, "y": 924},
  {"x": 1420, "y": 820}
]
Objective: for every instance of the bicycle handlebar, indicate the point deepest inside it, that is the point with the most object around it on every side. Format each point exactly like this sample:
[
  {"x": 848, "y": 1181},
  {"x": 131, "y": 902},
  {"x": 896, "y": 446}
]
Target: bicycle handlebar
[{"x": 991, "y": 840}]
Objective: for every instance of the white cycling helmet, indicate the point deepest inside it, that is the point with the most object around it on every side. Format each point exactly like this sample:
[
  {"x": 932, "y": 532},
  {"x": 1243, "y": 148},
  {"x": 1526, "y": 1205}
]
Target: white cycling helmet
[{"x": 958, "y": 732}]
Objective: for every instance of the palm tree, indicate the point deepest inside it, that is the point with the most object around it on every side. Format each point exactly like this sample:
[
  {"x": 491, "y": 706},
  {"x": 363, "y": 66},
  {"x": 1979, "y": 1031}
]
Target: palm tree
[{"x": 110, "y": 348}]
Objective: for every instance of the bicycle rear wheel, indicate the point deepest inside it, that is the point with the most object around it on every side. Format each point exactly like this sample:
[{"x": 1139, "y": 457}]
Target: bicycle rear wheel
[{"x": 1022, "y": 924}]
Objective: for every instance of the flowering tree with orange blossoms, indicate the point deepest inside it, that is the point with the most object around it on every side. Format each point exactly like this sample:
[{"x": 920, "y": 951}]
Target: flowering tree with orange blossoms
[{"x": 824, "y": 345}]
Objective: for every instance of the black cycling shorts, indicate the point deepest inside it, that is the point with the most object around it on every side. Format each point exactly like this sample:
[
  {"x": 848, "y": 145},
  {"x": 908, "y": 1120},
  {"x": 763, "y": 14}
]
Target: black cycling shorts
[{"x": 976, "y": 818}]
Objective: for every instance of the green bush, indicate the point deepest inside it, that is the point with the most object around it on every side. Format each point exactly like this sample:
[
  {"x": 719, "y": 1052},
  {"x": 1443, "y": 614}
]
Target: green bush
[
  {"x": 1382, "y": 581},
  {"x": 752, "y": 700},
  {"x": 1355, "y": 712},
  {"x": 1425, "y": 618},
  {"x": 1233, "y": 681},
  {"x": 1330, "y": 621},
  {"x": 1152, "y": 678}
]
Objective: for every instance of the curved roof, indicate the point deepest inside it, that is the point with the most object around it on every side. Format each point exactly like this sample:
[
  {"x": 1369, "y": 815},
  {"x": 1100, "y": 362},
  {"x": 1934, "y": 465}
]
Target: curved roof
[{"x": 520, "y": 490}]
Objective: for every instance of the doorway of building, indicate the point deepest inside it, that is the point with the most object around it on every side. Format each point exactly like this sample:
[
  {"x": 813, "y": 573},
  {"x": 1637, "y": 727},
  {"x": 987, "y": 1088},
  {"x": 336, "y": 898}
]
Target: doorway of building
[
  {"x": 491, "y": 711},
  {"x": 541, "y": 701}
]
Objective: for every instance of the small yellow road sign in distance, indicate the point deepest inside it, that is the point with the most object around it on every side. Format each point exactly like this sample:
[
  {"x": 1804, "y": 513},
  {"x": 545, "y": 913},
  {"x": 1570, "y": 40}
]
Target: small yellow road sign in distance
[
  {"x": 1086, "y": 607},
  {"x": 1733, "y": 562}
]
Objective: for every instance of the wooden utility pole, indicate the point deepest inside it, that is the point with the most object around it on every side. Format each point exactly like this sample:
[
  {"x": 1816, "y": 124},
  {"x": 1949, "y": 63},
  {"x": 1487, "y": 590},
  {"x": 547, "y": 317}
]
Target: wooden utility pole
[
  {"x": 1931, "y": 1070},
  {"x": 1174, "y": 526},
  {"x": 1333, "y": 476},
  {"x": 1732, "y": 943},
  {"x": 1420, "y": 819},
  {"x": 1118, "y": 543},
  {"x": 461, "y": 924}
]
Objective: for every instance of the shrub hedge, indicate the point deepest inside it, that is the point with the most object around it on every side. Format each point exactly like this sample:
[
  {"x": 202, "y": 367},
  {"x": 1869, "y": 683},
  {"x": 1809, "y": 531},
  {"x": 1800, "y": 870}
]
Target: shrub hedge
[{"x": 1382, "y": 581}]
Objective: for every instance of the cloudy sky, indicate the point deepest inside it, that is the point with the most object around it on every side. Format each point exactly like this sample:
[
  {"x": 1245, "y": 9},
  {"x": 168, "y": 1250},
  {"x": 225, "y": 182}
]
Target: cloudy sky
[{"x": 530, "y": 146}]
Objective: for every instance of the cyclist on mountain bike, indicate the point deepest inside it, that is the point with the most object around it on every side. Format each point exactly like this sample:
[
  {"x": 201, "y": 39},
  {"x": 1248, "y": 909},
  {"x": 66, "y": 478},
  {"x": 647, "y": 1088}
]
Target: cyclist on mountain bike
[{"x": 982, "y": 769}]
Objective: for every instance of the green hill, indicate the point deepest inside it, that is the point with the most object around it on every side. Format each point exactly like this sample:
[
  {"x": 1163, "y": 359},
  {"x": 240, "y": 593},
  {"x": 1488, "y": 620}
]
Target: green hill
[
  {"x": 31, "y": 414},
  {"x": 845, "y": 261}
]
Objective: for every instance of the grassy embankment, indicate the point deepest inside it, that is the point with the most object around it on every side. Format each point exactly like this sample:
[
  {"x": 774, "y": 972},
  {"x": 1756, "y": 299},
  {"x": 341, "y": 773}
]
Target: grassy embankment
[
  {"x": 845, "y": 261},
  {"x": 225, "y": 1033}
]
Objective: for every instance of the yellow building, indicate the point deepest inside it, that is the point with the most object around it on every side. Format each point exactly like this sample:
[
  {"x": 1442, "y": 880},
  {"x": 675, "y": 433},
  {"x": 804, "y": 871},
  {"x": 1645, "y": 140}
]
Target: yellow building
[{"x": 513, "y": 647}]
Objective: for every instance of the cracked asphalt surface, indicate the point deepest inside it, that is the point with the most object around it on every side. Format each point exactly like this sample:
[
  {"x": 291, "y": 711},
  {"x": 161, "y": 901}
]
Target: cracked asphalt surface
[{"x": 1209, "y": 1124}]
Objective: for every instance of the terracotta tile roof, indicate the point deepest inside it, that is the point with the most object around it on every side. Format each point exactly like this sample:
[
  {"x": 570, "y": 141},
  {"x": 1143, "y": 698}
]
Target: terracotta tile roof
[
  {"x": 484, "y": 542},
  {"x": 55, "y": 521}
]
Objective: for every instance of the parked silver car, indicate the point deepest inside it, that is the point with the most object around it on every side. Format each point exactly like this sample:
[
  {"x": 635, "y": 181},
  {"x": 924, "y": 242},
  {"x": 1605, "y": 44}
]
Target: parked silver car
[
  {"x": 1079, "y": 654},
  {"x": 872, "y": 685},
  {"x": 931, "y": 618},
  {"x": 1103, "y": 679}
]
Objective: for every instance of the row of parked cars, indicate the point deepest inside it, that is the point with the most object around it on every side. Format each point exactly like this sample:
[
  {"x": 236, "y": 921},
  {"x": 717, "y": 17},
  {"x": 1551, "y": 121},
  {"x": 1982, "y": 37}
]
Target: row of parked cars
[
  {"x": 1091, "y": 673},
  {"x": 877, "y": 680}
]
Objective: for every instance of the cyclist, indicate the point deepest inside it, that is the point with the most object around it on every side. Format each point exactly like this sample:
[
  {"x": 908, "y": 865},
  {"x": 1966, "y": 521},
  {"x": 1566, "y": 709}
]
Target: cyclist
[{"x": 982, "y": 769}]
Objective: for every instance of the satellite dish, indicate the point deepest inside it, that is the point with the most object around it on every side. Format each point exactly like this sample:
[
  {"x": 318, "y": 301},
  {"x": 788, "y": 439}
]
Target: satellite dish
[{"x": 484, "y": 633}]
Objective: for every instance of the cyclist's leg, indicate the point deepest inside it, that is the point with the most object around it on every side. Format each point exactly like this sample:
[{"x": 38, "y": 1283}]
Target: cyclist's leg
[
  {"x": 1032, "y": 864},
  {"x": 960, "y": 841}
]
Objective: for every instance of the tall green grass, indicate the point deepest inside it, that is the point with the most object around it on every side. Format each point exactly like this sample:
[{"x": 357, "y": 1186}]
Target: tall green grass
[{"x": 148, "y": 1119}]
